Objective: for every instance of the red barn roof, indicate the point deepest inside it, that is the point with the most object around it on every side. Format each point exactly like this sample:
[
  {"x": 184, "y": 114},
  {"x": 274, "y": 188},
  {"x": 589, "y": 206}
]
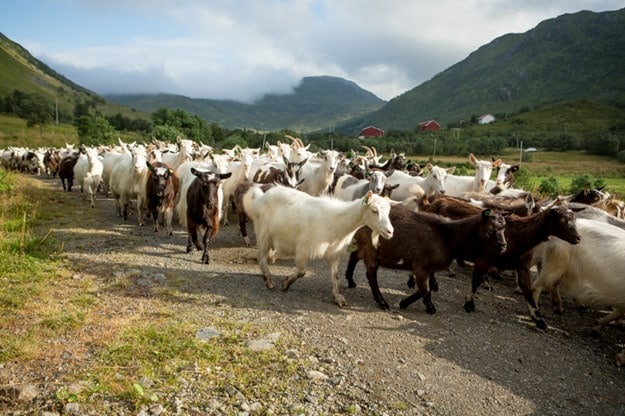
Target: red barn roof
[
  {"x": 371, "y": 132},
  {"x": 429, "y": 125}
]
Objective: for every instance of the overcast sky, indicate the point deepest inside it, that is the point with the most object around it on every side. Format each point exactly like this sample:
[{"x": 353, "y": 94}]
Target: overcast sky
[{"x": 242, "y": 49}]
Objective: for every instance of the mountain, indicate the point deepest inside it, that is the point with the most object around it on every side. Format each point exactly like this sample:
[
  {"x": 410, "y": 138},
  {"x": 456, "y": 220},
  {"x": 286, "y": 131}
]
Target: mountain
[
  {"x": 19, "y": 70},
  {"x": 316, "y": 101},
  {"x": 572, "y": 57}
]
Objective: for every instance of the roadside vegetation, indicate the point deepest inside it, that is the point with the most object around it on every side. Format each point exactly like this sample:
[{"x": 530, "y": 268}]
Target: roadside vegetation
[{"x": 50, "y": 308}]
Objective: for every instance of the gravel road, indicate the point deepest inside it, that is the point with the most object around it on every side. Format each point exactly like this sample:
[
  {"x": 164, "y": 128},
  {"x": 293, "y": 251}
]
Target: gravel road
[{"x": 398, "y": 362}]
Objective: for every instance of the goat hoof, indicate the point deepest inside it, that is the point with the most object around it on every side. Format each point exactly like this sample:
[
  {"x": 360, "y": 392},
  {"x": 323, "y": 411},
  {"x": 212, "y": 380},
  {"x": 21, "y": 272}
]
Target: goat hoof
[
  {"x": 469, "y": 306},
  {"x": 541, "y": 324},
  {"x": 351, "y": 284},
  {"x": 340, "y": 301},
  {"x": 189, "y": 249},
  {"x": 558, "y": 311},
  {"x": 384, "y": 306},
  {"x": 403, "y": 304},
  {"x": 430, "y": 309},
  {"x": 205, "y": 259},
  {"x": 595, "y": 332},
  {"x": 410, "y": 283}
]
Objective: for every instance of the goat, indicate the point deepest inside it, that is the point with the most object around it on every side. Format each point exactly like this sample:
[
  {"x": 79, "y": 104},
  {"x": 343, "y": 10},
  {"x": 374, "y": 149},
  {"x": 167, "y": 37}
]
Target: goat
[
  {"x": 127, "y": 180},
  {"x": 66, "y": 171},
  {"x": 457, "y": 185},
  {"x": 51, "y": 161},
  {"x": 319, "y": 176},
  {"x": 348, "y": 188},
  {"x": 505, "y": 175},
  {"x": 185, "y": 152},
  {"x": 162, "y": 187},
  {"x": 203, "y": 209},
  {"x": 523, "y": 235},
  {"x": 88, "y": 172},
  {"x": 593, "y": 271},
  {"x": 294, "y": 224},
  {"x": 287, "y": 174},
  {"x": 424, "y": 243},
  {"x": 409, "y": 186},
  {"x": 289, "y": 178}
]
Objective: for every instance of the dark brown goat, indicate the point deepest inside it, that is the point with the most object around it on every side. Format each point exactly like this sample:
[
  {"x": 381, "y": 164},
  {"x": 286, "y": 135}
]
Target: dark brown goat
[
  {"x": 162, "y": 186},
  {"x": 523, "y": 235},
  {"x": 51, "y": 161},
  {"x": 424, "y": 243},
  {"x": 66, "y": 171},
  {"x": 203, "y": 209}
]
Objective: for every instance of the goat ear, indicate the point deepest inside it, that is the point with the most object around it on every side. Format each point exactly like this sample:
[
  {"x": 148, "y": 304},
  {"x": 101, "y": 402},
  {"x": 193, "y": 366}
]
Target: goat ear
[
  {"x": 367, "y": 197},
  {"x": 496, "y": 163},
  {"x": 451, "y": 170},
  {"x": 472, "y": 158},
  {"x": 514, "y": 168},
  {"x": 150, "y": 167},
  {"x": 224, "y": 175}
]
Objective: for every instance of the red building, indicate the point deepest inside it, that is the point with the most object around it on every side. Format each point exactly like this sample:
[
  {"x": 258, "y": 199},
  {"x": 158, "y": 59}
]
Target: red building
[
  {"x": 429, "y": 125},
  {"x": 371, "y": 132}
]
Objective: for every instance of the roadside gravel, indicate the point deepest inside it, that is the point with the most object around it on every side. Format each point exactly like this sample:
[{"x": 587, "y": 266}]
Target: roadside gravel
[{"x": 358, "y": 359}]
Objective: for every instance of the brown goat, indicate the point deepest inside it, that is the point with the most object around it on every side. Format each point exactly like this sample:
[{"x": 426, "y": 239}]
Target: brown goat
[
  {"x": 424, "y": 243},
  {"x": 162, "y": 187},
  {"x": 203, "y": 209},
  {"x": 523, "y": 235}
]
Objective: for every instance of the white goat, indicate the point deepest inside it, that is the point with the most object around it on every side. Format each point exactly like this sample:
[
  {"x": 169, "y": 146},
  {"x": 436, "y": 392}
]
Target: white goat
[
  {"x": 295, "y": 224},
  {"x": 416, "y": 186},
  {"x": 457, "y": 185},
  {"x": 317, "y": 177},
  {"x": 128, "y": 179},
  {"x": 88, "y": 173},
  {"x": 348, "y": 188},
  {"x": 593, "y": 271},
  {"x": 185, "y": 152}
]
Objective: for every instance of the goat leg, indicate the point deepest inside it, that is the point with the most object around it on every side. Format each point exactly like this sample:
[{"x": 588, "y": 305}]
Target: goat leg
[
  {"x": 372, "y": 276},
  {"x": 351, "y": 266},
  {"x": 206, "y": 241}
]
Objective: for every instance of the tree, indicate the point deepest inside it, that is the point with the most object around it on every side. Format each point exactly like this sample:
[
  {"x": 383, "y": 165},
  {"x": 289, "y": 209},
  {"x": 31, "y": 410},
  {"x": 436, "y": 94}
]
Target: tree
[
  {"x": 36, "y": 110},
  {"x": 94, "y": 130}
]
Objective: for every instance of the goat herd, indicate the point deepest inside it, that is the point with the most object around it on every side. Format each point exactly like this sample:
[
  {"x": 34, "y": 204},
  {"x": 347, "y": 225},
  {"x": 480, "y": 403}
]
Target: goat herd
[{"x": 313, "y": 206}]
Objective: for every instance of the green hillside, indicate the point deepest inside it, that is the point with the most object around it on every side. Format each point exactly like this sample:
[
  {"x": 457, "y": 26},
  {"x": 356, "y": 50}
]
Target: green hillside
[
  {"x": 317, "y": 102},
  {"x": 571, "y": 57},
  {"x": 19, "y": 70}
]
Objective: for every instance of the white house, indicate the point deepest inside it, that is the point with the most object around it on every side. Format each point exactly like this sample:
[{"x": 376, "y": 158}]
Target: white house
[{"x": 485, "y": 119}]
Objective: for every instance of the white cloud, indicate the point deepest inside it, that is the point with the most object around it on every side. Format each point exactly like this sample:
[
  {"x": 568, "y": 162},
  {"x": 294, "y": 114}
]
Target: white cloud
[{"x": 242, "y": 50}]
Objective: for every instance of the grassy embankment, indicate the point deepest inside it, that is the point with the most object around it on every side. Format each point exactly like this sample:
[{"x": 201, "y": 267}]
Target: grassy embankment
[{"x": 51, "y": 309}]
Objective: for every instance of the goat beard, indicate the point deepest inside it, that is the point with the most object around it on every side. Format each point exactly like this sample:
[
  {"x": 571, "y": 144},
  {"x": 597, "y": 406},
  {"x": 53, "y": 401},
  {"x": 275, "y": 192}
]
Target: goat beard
[{"x": 375, "y": 239}]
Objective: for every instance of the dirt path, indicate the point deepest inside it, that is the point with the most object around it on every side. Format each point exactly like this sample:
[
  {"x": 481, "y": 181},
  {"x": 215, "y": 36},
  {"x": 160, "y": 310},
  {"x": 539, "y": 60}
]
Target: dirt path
[{"x": 490, "y": 362}]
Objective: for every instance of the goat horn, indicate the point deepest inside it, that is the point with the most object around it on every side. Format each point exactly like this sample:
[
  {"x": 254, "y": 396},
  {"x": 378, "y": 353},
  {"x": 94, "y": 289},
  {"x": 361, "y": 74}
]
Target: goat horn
[
  {"x": 294, "y": 143},
  {"x": 369, "y": 151}
]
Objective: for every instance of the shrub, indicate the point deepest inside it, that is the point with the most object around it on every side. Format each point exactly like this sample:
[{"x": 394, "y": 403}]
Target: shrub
[
  {"x": 549, "y": 186},
  {"x": 620, "y": 156},
  {"x": 586, "y": 181}
]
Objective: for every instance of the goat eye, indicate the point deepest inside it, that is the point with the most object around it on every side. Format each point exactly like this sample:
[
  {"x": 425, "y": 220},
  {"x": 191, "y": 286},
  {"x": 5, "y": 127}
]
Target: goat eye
[{"x": 374, "y": 210}]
